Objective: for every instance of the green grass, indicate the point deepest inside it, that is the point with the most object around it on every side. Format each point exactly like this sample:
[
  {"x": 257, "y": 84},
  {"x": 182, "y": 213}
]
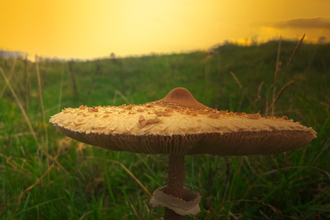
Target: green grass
[{"x": 92, "y": 183}]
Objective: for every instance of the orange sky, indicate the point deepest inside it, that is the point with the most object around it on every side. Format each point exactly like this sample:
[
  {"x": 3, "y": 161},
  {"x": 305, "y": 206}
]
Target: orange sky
[{"x": 91, "y": 29}]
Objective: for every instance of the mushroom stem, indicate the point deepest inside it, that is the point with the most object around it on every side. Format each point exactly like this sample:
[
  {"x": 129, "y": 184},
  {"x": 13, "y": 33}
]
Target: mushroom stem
[{"x": 175, "y": 183}]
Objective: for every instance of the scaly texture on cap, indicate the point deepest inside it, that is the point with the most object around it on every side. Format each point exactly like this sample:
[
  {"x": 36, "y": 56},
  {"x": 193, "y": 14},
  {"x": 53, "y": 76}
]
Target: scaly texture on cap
[{"x": 180, "y": 125}]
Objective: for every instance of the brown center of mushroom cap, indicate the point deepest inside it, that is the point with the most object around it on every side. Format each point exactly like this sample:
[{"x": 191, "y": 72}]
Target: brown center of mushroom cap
[{"x": 182, "y": 97}]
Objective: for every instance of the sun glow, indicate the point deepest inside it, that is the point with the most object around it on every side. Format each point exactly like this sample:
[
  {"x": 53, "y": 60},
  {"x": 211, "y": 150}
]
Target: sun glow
[{"x": 85, "y": 29}]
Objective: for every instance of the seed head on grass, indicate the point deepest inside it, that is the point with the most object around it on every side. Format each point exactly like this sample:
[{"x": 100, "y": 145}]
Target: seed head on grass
[
  {"x": 296, "y": 50},
  {"x": 278, "y": 68}
]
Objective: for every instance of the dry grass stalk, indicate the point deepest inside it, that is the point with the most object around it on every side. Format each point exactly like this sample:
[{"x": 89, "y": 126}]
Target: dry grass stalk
[
  {"x": 297, "y": 167},
  {"x": 26, "y": 85},
  {"x": 127, "y": 170},
  {"x": 246, "y": 193},
  {"x": 16, "y": 135},
  {"x": 135, "y": 212},
  {"x": 147, "y": 208},
  {"x": 253, "y": 169},
  {"x": 263, "y": 214},
  {"x": 28, "y": 121},
  {"x": 293, "y": 54},
  {"x": 277, "y": 70},
  {"x": 131, "y": 174},
  {"x": 38, "y": 212},
  {"x": 16, "y": 167},
  {"x": 9, "y": 77},
  {"x": 280, "y": 93},
  {"x": 310, "y": 61},
  {"x": 61, "y": 87},
  {"x": 85, "y": 214},
  {"x": 20, "y": 106},
  {"x": 44, "y": 124},
  {"x": 267, "y": 93},
  {"x": 239, "y": 84},
  {"x": 274, "y": 209},
  {"x": 121, "y": 95},
  {"x": 73, "y": 79},
  {"x": 236, "y": 174},
  {"x": 33, "y": 185},
  {"x": 226, "y": 191},
  {"x": 243, "y": 93},
  {"x": 95, "y": 78},
  {"x": 324, "y": 66},
  {"x": 296, "y": 50},
  {"x": 232, "y": 215},
  {"x": 258, "y": 96},
  {"x": 242, "y": 96}
]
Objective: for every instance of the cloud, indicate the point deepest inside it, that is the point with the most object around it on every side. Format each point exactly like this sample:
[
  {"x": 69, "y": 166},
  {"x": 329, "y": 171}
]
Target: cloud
[{"x": 303, "y": 23}]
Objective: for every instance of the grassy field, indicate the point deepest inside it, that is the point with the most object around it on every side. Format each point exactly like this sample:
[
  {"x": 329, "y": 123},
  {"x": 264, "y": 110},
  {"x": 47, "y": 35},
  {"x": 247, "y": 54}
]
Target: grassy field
[{"x": 44, "y": 175}]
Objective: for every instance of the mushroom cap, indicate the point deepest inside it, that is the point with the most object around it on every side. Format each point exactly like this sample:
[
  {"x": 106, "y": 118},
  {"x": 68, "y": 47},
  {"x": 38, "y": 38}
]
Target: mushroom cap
[{"x": 180, "y": 125}]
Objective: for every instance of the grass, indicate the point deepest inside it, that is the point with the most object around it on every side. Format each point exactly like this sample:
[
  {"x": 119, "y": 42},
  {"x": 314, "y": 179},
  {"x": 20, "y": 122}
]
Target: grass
[{"x": 84, "y": 182}]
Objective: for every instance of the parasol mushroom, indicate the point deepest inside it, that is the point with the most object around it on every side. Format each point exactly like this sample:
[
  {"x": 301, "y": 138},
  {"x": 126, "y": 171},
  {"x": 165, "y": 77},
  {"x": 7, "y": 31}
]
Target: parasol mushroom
[{"x": 179, "y": 125}]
